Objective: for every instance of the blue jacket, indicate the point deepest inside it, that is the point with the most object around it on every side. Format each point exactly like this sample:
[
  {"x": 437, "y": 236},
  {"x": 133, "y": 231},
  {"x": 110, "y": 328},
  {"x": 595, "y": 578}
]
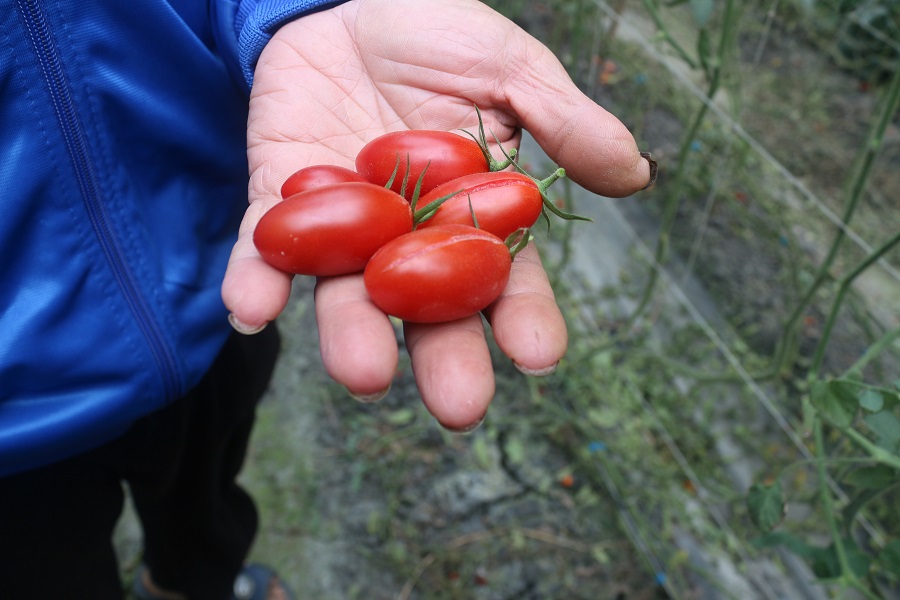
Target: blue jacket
[{"x": 123, "y": 179}]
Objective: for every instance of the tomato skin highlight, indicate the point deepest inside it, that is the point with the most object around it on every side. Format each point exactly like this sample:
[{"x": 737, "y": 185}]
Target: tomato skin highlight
[
  {"x": 503, "y": 202},
  {"x": 315, "y": 176},
  {"x": 331, "y": 230},
  {"x": 447, "y": 155},
  {"x": 438, "y": 274}
]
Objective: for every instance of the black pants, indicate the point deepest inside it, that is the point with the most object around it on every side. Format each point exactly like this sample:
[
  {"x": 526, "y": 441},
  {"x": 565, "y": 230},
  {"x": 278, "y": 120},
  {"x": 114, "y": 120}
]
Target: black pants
[{"x": 180, "y": 463}]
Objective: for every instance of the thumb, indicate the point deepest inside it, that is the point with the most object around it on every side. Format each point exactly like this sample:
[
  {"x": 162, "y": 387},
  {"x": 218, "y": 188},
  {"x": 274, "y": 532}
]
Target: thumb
[{"x": 593, "y": 146}]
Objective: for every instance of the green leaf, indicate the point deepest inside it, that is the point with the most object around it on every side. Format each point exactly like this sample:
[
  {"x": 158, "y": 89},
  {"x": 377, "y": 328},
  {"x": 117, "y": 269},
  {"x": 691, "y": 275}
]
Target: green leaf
[
  {"x": 871, "y": 400},
  {"x": 889, "y": 557},
  {"x": 826, "y": 564},
  {"x": 833, "y": 403},
  {"x": 766, "y": 505},
  {"x": 600, "y": 554},
  {"x": 849, "y": 512},
  {"x": 886, "y": 426},
  {"x": 846, "y": 389},
  {"x": 789, "y": 541},
  {"x": 517, "y": 540},
  {"x": 824, "y": 561},
  {"x": 853, "y": 376},
  {"x": 872, "y": 478},
  {"x": 891, "y": 398},
  {"x": 397, "y": 552},
  {"x": 402, "y": 416},
  {"x": 702, "y": 11},
  {"x": 515, "y": 450},
  {"x": 859, "y": 560},
  {"x": 603, "y": 417}
]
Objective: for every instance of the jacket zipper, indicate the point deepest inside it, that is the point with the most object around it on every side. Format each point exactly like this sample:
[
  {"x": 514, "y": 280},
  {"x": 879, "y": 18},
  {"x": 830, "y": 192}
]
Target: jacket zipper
[{"x": 74, "y": 137}]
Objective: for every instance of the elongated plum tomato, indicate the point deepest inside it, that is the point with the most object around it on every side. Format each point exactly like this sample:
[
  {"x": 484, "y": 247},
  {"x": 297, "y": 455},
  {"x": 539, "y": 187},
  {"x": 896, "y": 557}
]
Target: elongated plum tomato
[
  {"x": 331, "y": 230},
  {"x": 315, "y": 176},
  {"x": 448, "y": 155},
  {"x": 502, "y": 202},
  {"x": 438, "y": 274}
]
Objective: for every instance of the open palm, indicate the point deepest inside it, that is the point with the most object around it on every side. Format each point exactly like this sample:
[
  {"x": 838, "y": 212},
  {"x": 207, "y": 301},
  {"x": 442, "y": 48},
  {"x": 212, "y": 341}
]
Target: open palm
[{"x": 329, "y": 82}]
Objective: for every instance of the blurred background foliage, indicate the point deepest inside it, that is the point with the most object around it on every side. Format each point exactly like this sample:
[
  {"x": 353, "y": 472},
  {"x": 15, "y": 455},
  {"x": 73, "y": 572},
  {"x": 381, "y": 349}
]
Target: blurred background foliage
[{"x": 775, "y": 124}]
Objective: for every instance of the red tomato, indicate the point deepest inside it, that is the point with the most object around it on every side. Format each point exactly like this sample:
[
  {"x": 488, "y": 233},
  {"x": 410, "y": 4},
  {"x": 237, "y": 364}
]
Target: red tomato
[
  {"x": 502, "y": 202},
  {"x": 331, "y": 230},
  {"x": 317, "y": 176},
  {"x": 448, "y": 156},
  {"x": 438, "y": 274}
]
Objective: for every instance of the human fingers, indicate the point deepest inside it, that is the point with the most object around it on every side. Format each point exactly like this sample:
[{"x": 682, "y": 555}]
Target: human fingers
[
  {"x": 356, "y": 339},
  {"x": 526, "y": 322},
  {"x": 453, "y": 371},
  {"x": 247, "y": 274},
  {"x": 596, "y": 149}
]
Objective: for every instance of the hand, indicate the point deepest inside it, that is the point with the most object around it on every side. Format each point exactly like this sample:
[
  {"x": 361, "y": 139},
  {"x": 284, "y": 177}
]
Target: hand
[{"x": 329, "y": 82}]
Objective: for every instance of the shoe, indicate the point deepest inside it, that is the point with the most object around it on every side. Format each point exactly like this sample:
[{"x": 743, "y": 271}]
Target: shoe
[{"x": 252, "y": 583}]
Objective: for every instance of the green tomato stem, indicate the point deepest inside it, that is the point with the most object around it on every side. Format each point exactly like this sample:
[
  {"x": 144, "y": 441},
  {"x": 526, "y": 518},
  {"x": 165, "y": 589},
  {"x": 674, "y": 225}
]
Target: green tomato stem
[
  {"x": 428, "y": 211},
  {"x": 517, "y": 240},
  {"x": 390, "y": 181},
  {"x": 481, "y": 139}
]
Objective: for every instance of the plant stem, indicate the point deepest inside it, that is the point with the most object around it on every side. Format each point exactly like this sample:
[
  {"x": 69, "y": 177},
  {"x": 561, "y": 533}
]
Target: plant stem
[
  {"x": 827, "y": 505},
  {"x": 652, "y": 8},
  {"x": 874, "y": 350},
  {"x": 674, "y": 199},
  {"x": 865, "y": 160},
  {"x": 846, "y": 282},
  {"x": 877, "y": 453},
  {"x": 566, "y": 243}
]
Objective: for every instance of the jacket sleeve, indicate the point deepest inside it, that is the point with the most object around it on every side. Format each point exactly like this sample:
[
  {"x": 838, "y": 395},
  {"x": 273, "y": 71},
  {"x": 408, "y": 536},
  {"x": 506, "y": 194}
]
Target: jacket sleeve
[{"x": 243, "y": 27}]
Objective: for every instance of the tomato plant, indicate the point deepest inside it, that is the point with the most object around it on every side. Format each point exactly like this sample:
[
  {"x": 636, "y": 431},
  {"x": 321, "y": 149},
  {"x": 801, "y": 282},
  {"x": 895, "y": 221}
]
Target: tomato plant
[
  {"x": 501, "y": 202},
  {"x": 331, "y": 230},
  {"x": 315, "y": 176},
  {"x": 438, "y": 274},
  {"x": 443, "y": 156}
]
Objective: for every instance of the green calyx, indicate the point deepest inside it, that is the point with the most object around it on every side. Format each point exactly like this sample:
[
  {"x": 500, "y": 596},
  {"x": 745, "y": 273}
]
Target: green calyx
[
  {"x": 481, "y": 140},
  {"x": 428, "y": 211},
  {"x": 510, "y": 161},
  {"x": 517, "y": 240}
]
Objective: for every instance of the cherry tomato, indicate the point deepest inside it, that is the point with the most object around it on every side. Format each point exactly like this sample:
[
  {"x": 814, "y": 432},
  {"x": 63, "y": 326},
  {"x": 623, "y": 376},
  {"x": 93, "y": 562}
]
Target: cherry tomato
[
  {"x": 438, "y": 274},
  {"x": 315, "y": 176},
  {"x": 331, "y": 230},
  {"x": 447, "y": 155},
  {"x": 502, "y": 202}
]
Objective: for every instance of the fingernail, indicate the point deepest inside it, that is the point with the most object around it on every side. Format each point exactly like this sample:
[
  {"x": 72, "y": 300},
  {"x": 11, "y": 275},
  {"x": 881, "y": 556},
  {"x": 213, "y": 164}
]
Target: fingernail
[
  {"x": 467, "y": 428},
  {"x": 370, "y": 398},
  {"x": 242, "y": 328},
  {"x": 654, "y": 169},
  {"x": 536, "y": 372}
]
